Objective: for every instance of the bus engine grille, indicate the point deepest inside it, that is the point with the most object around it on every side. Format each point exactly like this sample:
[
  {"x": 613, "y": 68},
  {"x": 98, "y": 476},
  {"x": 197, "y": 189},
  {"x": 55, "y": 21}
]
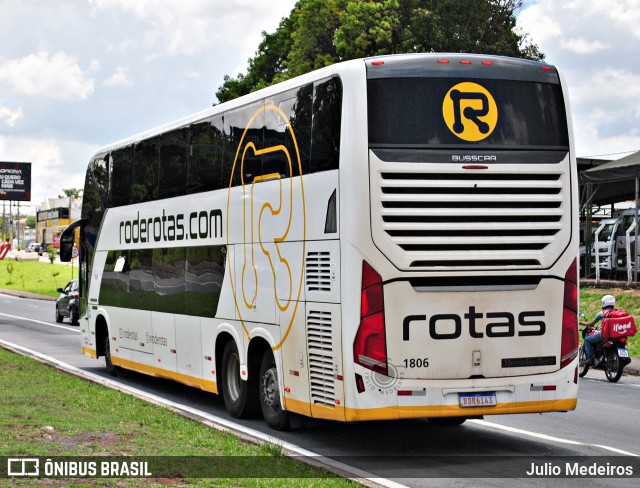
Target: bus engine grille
[
  {"x": 321, "y": 364},
  {"x": 470, "y": 219}
]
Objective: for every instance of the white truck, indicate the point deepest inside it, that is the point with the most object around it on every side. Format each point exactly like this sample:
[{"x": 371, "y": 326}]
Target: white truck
[
  {"x": 604, "y": 246},
  {"x": 627, "y": 219}
]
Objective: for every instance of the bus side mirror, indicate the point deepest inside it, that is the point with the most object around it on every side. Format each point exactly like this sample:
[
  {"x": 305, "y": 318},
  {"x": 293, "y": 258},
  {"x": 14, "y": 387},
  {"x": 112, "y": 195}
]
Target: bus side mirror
[
  {"x": 66, "y": 247},
  {"x": 66, "y": 241}
]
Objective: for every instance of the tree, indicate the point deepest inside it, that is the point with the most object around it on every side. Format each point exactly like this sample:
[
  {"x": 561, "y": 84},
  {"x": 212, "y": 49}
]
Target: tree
[
  {"x": 368, "y": 28},
  {"x": 312, "y": 45},
  {"x": 474, "y": 26},
  {"x": 322, "y": 32},
  {"x": 72, "y": 192},
  {"x": 268, "y": 63}
]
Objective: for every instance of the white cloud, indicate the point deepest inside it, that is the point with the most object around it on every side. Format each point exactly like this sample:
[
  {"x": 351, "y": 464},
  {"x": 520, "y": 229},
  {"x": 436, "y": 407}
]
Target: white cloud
[
  {"x": 605, "y": 121},
  {"x": 581, "y": 45},
  {"x": 58, "y": 76},
  {"x": 589, "y": 136},
  {"x": 193, "y": 26},
  {"x": 64, "y": 64},
  {"x": 10, "y": 116},
  {"x": 55, "y": 163},
  {"x": 119, "y": 78},
  {"x": 594, "y": 43},
  {"x": 536, "y": 21},
  {"x": 608, "y": 87}
]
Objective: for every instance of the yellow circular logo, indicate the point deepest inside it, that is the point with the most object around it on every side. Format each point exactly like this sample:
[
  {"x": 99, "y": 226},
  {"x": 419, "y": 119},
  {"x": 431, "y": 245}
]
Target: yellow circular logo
[{"x": 470, "y": 111}]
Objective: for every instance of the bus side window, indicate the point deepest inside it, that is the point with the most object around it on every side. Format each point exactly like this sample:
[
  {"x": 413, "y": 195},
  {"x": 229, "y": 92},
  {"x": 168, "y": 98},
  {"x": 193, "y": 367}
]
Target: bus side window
[
  {"x": 205, "y": 158},
  {"x": 174, "y": 163},
  {"x": 122, "y": 173},
  {"x": 144, "y": 187},
  {"x": 325, "y": 133},
  {"x": 294, "y": 108},
  {"x": 245, "y": 127}
]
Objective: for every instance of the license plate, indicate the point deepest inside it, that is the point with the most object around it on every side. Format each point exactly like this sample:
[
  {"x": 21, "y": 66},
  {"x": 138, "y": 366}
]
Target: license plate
[
  {"x": 485, "y": 399},
  {"x": 623, "y": 353}
]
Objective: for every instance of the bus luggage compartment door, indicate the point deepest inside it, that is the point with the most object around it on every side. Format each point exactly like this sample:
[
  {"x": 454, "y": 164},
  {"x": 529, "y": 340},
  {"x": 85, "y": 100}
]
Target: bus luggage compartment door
[{"x": 489, "y": 333}]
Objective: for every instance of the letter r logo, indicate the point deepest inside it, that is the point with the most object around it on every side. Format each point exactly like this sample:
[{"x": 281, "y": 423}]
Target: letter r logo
[{"x": 470, "y": 111}]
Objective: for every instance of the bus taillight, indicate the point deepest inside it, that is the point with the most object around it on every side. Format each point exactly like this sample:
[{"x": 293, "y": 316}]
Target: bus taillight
[
  {"x": 370, "y": 345},
  {"x": 570, "y": 344}
]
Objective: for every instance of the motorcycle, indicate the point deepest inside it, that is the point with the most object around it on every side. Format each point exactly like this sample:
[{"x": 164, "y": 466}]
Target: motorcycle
[{"x": 611, "y": 356}]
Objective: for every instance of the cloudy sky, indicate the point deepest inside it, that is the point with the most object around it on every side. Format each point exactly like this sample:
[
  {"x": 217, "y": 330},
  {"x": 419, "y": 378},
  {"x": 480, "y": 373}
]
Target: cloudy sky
[{"x": 78, "y": 74}]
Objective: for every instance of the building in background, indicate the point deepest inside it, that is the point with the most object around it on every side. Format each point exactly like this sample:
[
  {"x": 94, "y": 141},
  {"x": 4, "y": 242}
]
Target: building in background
[{"x": 54, "y": 215}]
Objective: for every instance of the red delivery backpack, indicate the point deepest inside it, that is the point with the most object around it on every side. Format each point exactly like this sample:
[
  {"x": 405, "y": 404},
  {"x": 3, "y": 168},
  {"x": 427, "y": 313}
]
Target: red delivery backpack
[{"x": 617, "y": 324}]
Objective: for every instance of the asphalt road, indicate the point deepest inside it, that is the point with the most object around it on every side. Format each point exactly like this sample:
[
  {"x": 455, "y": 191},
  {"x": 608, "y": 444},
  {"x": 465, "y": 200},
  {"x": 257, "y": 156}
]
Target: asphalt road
[{"x": 605, "y": 423}]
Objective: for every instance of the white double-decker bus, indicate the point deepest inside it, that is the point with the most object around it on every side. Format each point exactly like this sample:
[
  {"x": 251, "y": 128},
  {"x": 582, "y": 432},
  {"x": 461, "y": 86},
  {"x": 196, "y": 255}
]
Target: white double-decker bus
[{"x": 385, "y": 238}]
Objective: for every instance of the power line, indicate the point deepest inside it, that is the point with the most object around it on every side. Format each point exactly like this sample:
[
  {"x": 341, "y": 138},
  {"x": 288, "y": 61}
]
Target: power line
[{"x": 609, "y": 154}]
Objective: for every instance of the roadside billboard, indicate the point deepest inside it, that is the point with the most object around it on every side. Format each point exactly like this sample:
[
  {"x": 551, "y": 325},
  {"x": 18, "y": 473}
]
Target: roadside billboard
[{"x": 15, "y": 181}]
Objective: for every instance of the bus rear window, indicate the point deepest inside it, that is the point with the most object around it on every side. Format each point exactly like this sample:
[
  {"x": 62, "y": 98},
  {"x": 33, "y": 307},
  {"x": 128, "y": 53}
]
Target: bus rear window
[{"x": 455, "y": 112}]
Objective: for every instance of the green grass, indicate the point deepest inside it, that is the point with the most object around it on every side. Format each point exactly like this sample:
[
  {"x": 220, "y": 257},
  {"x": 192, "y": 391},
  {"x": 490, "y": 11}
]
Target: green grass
[
  {"x": 44, "y": 412},
  {"x": 628, "y": 300},
  {"x": 34, "y": 276}
]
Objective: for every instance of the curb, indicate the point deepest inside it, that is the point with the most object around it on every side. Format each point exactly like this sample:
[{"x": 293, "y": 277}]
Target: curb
[
  {"x": 27, "y": 294},
  {"x": 633, "y": 369}
]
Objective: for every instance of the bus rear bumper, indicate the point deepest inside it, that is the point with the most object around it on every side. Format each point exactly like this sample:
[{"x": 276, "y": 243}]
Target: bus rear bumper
[{"x": 404, "y": 399}]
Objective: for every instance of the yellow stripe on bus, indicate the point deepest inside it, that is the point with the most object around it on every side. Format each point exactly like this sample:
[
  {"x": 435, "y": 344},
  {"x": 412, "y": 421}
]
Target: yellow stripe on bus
[
  {"x": 89, "y": 352},
  {"x": 414, "y": 412},
  {"x": 206, "y": 385}
]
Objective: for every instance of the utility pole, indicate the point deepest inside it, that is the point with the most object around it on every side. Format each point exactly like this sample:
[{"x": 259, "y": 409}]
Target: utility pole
[
  {"x": 10, "y": 222},
  {"x": 18, "y": 226}
]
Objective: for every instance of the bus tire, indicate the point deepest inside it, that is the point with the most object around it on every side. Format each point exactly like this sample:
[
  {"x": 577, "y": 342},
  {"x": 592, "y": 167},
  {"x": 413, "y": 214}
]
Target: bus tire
[
  {"x": 111, "y": 369},
  {"x": 240, "y": 397},
  {"x": 276, "y": 417}
]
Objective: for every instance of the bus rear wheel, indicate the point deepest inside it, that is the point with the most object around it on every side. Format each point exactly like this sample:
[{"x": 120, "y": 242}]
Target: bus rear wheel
[
  {"x": 276, "y": 417},
  {"x": 111, "y": 369},
  {"x": 240, "y": 397}
]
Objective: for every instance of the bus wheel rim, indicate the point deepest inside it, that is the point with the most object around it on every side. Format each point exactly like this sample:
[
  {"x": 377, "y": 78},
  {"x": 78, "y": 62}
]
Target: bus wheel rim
[
  {"x": 270, "y": 389},
  {"x": 233, "y": 378}
]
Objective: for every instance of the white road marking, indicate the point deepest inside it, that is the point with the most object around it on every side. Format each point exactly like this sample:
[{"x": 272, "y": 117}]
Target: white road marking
[
  {"x": 514, "y": 430},
  {"x": 39, "y": 322}
]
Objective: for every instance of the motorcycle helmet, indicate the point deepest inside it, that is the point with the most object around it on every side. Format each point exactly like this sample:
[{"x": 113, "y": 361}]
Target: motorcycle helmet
[{"x": 608, "y": 301}]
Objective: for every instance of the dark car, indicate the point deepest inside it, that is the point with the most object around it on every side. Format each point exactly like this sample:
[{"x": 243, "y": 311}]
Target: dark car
[
  {"x": 36, "y": 247},
  {"x": 67, "y": 303}
]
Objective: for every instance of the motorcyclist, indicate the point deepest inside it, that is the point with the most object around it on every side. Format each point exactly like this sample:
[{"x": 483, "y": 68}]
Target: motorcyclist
[{"x": 595, "y": 338}]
